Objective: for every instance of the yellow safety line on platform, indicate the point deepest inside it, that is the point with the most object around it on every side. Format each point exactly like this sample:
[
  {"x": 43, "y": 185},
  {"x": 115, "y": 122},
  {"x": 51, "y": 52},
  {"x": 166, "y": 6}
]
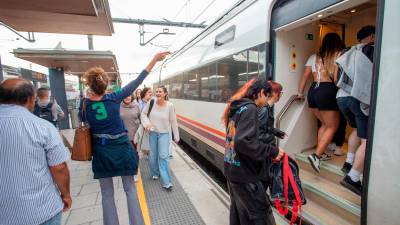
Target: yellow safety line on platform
[{"x": 142, "y": 200}]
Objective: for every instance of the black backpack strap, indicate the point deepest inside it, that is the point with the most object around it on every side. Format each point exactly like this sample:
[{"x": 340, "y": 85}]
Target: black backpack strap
[
  {"x": 150, "y": 107},
  {"x": 49, "y": 106},
  {"x": 36, "y": 109}
]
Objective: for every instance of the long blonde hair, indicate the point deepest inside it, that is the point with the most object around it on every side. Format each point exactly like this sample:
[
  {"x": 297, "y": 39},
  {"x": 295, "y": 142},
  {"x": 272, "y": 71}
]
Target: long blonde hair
[{"x": 329, "y": 51}]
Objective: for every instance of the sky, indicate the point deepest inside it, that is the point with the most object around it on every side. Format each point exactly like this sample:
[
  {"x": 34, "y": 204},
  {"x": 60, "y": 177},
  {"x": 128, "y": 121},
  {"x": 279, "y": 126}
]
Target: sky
[{"x": 124, "y": 43}]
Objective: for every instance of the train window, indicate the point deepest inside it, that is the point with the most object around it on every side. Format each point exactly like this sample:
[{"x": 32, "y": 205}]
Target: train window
[
  {"x": 212, "y": 82},
  {"x": 232, "y": 72},
  {"x": 222, "y": 79},
  {"x": 253, "y": 63},
  {"x": 191, "y": 85},
  {"x": 225, "y": 36},
  {"x": 167, "y": 85},
  {"x": 176, "y": 86},
  {"x": 262, "y": 60},
  {"x": 204, "y": 88}
]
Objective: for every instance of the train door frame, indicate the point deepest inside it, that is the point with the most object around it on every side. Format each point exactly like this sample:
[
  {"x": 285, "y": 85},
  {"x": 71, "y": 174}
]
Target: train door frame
[{"x": 296, "y": 14}]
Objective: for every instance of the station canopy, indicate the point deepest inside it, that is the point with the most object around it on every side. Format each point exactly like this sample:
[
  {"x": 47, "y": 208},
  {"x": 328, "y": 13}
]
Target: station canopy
[
  {"x": 58, "y": 16},
  {"x": 72, "y": 61}
]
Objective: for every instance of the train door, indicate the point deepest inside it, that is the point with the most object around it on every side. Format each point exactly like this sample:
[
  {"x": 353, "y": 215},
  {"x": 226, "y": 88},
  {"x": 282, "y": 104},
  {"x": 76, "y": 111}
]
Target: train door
[
  {"x": 297, "y": 29},
  {"x": 380, "y": 202}
]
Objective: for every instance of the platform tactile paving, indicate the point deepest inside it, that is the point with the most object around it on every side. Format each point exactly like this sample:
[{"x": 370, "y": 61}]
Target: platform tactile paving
[{"x": 167, "y": 207}]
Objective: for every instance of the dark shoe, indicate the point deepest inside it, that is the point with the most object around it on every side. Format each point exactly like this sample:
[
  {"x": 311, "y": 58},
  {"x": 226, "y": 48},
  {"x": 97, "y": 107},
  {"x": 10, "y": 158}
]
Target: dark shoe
[
  {"x": 314, "y": 161},
  {"x": 325, "y": 157},
  {"x": 355, "y": 187},
  {"x": 346, "y": 168}
]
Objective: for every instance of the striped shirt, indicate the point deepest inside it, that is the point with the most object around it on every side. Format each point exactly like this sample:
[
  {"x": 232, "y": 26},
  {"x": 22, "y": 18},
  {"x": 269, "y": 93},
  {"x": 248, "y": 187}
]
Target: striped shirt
[{"x": 28, "y": 146}]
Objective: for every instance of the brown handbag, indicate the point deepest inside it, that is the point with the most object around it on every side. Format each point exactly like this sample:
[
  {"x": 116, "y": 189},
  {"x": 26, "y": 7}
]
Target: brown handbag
[{"x": 82, "y": 148}]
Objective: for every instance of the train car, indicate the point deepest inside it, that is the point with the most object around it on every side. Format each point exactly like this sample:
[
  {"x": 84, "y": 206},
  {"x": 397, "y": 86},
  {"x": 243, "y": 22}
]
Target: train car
[{"x": 273, "y": 39}]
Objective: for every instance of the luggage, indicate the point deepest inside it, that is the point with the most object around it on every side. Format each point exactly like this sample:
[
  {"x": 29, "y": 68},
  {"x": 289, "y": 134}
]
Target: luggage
[
  {"x": 82, "y": 147},
  {"x": 285, "y": 187}
]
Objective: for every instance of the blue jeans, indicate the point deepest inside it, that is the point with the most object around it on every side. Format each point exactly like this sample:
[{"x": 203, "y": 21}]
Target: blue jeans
[
  {"x": 350, "y": 107},
  {"x": 159, "y": 156},
  {"x": 55, "y": 220},
  {"x": 110, "y": 215}
]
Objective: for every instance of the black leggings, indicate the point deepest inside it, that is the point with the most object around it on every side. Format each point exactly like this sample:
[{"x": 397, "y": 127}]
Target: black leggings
[{"x": 340, "y": 134}]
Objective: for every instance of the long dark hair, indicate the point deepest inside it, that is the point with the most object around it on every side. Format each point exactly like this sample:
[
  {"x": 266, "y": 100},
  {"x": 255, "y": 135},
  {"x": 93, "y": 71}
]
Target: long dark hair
[
  {"x": 165, "y": 91},
  {"x": 249, "y": 90},
  {"x": 331, "y": 46},
  {"x": 144, "y": 92},
  {"x": 135, "y": 94}
]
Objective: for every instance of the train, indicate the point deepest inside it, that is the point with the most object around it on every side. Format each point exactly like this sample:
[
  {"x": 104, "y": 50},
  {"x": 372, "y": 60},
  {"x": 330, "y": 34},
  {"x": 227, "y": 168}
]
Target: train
[{"x": 273, "y": 39}]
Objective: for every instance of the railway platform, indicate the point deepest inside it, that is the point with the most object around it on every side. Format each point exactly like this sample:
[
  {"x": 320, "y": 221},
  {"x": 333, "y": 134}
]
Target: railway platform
[{"x": 194, "y": 199}]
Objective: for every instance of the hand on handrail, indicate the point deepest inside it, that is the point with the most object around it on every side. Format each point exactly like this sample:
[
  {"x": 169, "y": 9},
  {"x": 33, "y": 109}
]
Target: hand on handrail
[{"x": 300, "y": 97}]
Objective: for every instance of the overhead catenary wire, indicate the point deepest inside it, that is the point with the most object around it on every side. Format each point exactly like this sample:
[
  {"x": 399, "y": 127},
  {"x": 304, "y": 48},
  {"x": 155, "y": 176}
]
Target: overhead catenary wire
[{"x": 198, "y": 16}]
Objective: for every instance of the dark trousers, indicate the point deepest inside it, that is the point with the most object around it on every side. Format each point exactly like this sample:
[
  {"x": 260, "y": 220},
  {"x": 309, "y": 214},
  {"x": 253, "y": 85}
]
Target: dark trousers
[
  {"x": 249, "y": 204},
  {"x": 340, "y": 134}
]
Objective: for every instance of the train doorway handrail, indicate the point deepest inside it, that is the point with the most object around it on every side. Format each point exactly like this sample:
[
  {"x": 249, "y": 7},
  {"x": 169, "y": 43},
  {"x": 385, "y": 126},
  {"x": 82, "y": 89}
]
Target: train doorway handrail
[{"x": 285, "y": 108}]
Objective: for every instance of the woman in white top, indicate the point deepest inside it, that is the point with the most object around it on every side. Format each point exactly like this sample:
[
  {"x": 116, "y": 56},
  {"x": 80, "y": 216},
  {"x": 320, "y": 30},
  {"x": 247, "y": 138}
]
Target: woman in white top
[
  {"x": 160, "y": 122},
  {"x": 322, "y": 93}
]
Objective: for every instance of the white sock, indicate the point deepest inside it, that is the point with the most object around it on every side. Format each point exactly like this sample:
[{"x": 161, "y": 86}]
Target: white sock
[
  {"x": 350, "y": 158},
  {"x": 354, "y": 175}
]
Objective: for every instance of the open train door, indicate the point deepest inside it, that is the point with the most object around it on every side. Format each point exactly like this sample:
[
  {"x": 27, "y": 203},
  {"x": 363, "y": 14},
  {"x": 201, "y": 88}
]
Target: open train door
[
  {"x": 380, "y": 203},
  {"x": 381, "y": 192}
]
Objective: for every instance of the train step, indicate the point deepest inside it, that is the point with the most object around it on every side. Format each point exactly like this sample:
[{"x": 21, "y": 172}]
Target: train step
[
  {"x": 313, "y": 213},
  {"x": 331, "y": 197},
  {"x": 330, "y": 170}
]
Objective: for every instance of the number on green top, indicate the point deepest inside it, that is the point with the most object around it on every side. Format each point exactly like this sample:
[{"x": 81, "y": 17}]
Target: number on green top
[{"x": 101, "y": 112}]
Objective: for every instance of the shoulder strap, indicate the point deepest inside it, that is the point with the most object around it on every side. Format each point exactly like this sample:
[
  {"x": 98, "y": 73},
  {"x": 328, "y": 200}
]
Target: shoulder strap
[
  {"x": 150, "y": 107},
  {"x": 49, "y": 105},
  {"x": 83, "y": 116}
]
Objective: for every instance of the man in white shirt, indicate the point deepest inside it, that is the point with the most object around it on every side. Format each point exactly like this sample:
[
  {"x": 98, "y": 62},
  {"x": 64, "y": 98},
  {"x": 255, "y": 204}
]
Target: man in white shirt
[{"x": 34, "y": 187}]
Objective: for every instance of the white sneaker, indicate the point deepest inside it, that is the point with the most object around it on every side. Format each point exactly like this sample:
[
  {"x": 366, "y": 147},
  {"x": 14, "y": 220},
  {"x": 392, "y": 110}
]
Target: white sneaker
[
  {"x": 135, "y": 178},
  {"x": 155, "y": 177},
  {"x": 168, "y": 186},
  {"x": 314, "y": 161},
  {"x": 332, "y": 147},
  {"x": 338, "y": 151}
]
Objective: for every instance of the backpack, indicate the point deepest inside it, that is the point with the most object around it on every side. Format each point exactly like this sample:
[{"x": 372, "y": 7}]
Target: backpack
[
  {"x": 285, "y": 187},
  {"x": 44, "y": 112}
]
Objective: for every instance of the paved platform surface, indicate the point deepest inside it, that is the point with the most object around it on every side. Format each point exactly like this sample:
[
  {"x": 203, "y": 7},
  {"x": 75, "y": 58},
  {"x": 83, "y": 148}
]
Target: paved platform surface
[
  {"x": 188, "y": 203},
  {"x": 195, "y": 198}
]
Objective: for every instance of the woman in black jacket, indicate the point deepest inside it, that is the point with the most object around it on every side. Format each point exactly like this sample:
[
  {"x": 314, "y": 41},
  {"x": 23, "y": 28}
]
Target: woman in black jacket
[
  {"x": 245, "y": 155},
  {"x": 268, "y": 132}
]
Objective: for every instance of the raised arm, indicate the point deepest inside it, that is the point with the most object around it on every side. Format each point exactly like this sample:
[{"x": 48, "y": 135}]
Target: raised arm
[{"x": 131, "y": 86}]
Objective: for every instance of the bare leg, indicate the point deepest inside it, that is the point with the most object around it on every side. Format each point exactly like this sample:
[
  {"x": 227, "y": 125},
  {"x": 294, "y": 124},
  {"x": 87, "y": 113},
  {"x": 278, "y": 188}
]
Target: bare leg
[
  {"x": 360, "y": 155},
  {"x": 322, "y": 128},
  {"x": 354, "y": 143},
  {"x": 331, "y": 120}
]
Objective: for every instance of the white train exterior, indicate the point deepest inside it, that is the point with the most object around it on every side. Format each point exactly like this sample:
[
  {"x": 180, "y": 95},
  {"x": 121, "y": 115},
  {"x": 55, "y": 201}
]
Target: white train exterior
[{"x": 273, "y": 39}]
